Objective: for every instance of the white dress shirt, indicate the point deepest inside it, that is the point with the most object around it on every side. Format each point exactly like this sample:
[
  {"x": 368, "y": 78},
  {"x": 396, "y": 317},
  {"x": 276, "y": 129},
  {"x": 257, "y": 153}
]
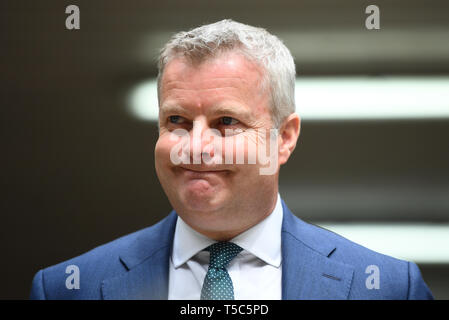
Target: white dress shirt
[{"x": 256, "y": 272}]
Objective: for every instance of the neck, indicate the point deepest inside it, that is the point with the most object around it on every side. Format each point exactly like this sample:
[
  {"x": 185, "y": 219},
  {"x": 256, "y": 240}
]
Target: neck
[{"x": 229, "y": 234}]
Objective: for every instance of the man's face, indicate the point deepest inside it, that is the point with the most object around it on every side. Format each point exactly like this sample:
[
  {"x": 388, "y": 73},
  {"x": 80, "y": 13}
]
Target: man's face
[{"x": 204, "y": 101}]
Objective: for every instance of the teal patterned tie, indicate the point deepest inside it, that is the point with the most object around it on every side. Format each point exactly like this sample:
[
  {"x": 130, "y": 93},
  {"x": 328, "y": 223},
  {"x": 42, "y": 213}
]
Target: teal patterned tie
[{"x": 217, "y": 283}]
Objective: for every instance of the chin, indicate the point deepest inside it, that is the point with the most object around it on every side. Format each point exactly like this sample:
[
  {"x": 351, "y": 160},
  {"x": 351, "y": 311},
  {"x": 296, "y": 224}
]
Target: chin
[
  {"x": 199, "y": 203},
  {"x": 205, "y": 201}
]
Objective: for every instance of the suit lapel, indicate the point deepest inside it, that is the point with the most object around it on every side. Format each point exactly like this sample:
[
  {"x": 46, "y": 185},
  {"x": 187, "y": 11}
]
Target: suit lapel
[
  {"x": 307, "y": 270},
  {"x": 147, "y": 265}
]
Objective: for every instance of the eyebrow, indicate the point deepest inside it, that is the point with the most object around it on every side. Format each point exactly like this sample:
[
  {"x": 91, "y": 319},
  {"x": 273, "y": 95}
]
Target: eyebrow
[
  {"x": 173, "y": 108},
  {"x": 231, "y": 109}
]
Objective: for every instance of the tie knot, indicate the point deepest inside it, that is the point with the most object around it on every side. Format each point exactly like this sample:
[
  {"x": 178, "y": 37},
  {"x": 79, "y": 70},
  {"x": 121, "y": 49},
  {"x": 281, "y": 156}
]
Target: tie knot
[{"x": 221, "y": 253}]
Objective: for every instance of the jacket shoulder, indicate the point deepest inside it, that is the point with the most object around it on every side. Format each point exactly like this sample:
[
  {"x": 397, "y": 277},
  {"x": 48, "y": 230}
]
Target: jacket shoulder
[
  {"x": 376, "y": 275},
  {"x": 87, "y": 271}
]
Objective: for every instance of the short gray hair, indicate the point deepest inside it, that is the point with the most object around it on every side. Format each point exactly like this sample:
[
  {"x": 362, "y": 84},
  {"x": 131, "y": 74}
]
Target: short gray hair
[{"x": 256, "y": 44}]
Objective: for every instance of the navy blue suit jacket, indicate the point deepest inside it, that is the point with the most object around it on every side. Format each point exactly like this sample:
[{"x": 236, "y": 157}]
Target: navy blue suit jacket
[{"x": 316, "y": 264}]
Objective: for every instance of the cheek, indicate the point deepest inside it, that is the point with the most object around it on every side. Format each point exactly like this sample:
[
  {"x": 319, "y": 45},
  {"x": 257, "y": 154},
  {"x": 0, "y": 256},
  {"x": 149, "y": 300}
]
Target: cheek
[
  {"x": 241, "y": 149},
  {"x": 162, "y": 150},
  {"x": 172, "y": 149}
]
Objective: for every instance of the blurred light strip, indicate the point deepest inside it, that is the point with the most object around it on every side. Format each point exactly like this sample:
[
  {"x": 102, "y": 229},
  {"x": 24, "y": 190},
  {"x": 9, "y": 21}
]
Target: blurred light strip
[
  {"x": 143, "y": 102},
  {"x": 420, "y": 243},
  {"x": 342, "y": 98},
  {"x": 372, "y": 98}
]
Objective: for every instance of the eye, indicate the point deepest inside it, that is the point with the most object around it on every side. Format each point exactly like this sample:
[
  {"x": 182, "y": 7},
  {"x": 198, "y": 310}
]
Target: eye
[
  {"x": 175, "y": 119},
  {"x": 227, "y": 121}
]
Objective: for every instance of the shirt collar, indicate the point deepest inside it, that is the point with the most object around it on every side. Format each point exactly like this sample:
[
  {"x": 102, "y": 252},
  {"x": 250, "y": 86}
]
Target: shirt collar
[{"x": 262, "y": 240}]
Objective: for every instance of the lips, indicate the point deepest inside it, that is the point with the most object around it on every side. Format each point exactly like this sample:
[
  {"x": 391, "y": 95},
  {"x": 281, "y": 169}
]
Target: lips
[{"x": 203, "y": 171}]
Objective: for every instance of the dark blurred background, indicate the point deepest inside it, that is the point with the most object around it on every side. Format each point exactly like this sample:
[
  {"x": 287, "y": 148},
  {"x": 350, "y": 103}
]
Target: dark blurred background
[{"x": 77, "y": 167}]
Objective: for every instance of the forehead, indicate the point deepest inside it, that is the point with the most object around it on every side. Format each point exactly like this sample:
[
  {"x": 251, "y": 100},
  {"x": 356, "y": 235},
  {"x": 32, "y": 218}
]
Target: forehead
[
  {"x": 226, "y": 71},
  {"x": 228, "y": 77},
  {"x": 227, "y": 65}
]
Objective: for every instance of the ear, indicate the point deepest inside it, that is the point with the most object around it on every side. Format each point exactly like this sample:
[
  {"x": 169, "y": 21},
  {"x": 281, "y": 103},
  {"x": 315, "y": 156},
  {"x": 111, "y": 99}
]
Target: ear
[{"x": 288, "y": 136}]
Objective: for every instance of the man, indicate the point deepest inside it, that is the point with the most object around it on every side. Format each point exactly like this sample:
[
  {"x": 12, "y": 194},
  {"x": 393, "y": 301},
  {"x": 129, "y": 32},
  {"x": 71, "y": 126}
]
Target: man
[{"x": 226, "y": 99}]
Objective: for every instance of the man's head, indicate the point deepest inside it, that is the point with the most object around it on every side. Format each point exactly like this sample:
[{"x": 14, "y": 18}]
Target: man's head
[{"x": 222, "y": 88}]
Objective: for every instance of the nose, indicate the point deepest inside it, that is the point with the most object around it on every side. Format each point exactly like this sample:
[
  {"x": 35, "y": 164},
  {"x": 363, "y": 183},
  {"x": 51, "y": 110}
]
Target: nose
[{"x": 200, "y": 141}]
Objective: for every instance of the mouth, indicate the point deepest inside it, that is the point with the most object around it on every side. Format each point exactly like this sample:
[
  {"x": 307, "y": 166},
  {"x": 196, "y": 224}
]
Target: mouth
[{"x": 203, "y": 171}]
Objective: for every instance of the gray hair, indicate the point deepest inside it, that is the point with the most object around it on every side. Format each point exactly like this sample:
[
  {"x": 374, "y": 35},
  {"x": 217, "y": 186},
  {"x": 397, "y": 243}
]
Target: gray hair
[{"x": 256, "y": 44}]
